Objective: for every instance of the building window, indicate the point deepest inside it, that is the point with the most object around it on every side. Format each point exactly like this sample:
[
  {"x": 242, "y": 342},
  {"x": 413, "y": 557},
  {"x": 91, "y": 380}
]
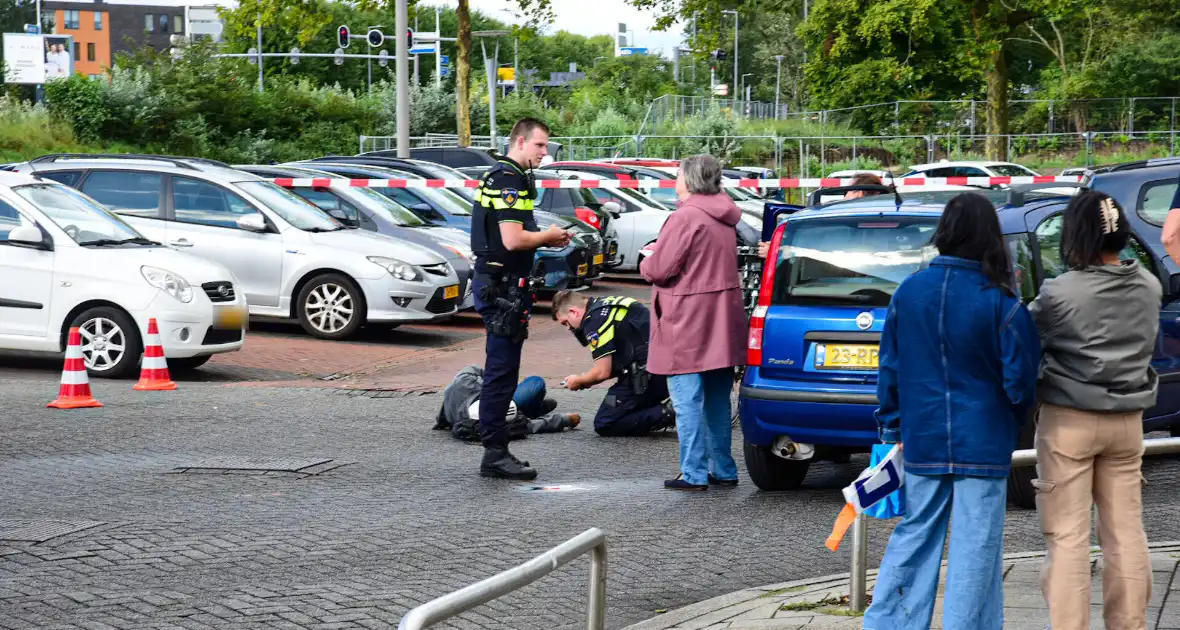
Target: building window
[
  {"x": 90, "y": 52},
  {"x": 149, "y": 23},
  {"x": 163, "y": 23},
  {"x": 48, "y": 21},
  {"x": 73, "y": 19},
  {"x": 77, "y": 53},
  {"x": 178, "y": 24},
  {"x": 98, "y": 20}
]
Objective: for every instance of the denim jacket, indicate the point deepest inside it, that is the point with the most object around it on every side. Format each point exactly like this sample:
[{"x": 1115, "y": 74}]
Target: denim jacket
[{"x": 958, "y": 371}]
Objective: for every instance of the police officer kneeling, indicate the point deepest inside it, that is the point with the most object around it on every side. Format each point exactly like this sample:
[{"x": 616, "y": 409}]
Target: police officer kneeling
[
  {"x": 504, "y": 238},
  {"x": 617, "y": 330}
]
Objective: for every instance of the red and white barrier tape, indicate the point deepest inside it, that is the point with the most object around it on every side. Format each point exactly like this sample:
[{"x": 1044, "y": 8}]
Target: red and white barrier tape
[{"x": 645, "y": 183}]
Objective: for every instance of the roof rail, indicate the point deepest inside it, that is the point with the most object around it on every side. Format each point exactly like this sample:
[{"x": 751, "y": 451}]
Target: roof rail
[
  {"x": 180, "y": 162},
  {"x": 1138, "y": 164},
  {"x": 1016, "y": 192},
  {"x": 816, "y": 195}
]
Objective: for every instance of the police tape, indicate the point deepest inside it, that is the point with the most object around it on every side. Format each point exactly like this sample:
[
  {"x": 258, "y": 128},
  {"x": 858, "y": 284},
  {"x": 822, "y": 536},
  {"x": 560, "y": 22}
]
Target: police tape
[{"x": 647, "y": 183}]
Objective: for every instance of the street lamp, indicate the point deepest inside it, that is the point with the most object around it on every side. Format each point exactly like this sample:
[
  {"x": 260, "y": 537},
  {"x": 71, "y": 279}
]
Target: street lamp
[
  {"x": 777, "y": 82},
  {"x": 735, "y": 44},
  {"x": 491, "y": 65},
  {"x": 596, "y": 61},
  {"x": 748, "y": 74}
]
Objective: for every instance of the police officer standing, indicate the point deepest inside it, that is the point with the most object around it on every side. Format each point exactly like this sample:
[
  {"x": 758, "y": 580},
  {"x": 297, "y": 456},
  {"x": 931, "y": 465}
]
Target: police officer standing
[
  {"x": 617, "y": 331},
  {"x": 504, "y": 237}
]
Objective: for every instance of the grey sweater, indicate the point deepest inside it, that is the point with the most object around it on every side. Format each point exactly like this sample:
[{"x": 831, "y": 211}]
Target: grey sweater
[{"x": 1098, "y": 329}]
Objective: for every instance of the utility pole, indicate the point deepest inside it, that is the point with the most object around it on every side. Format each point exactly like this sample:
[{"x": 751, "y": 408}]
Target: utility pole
[
  {"x": 736, "y": 94},
  {"x": 777, "y": 83},
  {"x": 438, "y": 50},
  {"x": 402, "y": 68},
  {"x": 492, "y": 67},
  {"x": 261, "y": 80}
]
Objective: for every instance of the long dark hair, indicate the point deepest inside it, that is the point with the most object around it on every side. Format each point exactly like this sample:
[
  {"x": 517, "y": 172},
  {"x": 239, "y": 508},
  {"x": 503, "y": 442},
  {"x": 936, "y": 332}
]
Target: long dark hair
[
  {"x": 970, "y": 229},
  {"x": 1094, "y": 225}
]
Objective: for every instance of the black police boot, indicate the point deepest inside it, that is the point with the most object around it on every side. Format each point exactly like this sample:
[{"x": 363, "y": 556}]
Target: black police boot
[
  {"x": 668, "y": 415},
  {"x": 499, "y": 463}
]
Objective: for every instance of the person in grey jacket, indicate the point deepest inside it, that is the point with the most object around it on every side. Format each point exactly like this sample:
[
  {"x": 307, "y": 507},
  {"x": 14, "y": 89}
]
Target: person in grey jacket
[
  {"x": 529, "y": 412},
  {"x": 1098, "y": 323}
]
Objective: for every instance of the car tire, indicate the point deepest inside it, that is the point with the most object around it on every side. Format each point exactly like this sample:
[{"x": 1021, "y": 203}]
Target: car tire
[
  {"x": 111, "y": 343},
  {"x": 771, "y": 472},
  {"x": 1176, "y": 431},
  {"x": 187, "y": 364},
  {"x": 1020, "y": 480},
  {"x": 324, "y": 301}
]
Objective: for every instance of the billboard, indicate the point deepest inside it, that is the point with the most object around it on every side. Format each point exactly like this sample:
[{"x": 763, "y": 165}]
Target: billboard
[{"x": 35, "y": 59}]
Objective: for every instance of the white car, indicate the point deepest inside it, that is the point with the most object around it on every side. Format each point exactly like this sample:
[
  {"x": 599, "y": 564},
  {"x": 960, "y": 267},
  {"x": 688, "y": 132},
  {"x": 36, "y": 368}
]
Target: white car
[
  {"x": 884, "y": 175},
  {"x": 66, "y": 262},
  {"x": 970, "y": 169},
  {"x": 637, "y": 224},
  {"x": 293, "y": 261}
]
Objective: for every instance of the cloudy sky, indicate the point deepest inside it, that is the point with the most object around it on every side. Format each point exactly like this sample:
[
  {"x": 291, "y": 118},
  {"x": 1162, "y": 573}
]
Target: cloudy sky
[{"x": 593, "y": 17}]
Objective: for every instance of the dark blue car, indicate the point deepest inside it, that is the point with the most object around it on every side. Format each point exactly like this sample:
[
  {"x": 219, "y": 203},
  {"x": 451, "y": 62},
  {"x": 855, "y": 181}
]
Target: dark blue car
[{"x": 809, "y": 391}]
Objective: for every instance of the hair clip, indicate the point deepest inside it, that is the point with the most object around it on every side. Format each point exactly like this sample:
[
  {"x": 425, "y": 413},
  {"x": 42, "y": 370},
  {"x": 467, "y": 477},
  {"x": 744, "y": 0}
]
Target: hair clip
[{"x": 1110, "y": 216}]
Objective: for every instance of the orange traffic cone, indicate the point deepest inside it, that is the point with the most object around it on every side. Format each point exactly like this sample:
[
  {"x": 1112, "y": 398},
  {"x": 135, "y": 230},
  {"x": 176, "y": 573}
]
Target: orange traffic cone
[
  {"x": 75, "y": 386},
  {"x": 153, "y": 376}
]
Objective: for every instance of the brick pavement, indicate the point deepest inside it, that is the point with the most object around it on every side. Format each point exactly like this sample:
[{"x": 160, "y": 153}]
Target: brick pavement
[
  {"x": 822, "y": 602},
  {"x": 405, "y": 521}
]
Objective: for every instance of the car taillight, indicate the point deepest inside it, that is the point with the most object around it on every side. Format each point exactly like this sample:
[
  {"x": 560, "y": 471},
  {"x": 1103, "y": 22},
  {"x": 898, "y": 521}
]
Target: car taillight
[
  {"x": 589, "y": 216},
  {"x": 758, "y": 317}
]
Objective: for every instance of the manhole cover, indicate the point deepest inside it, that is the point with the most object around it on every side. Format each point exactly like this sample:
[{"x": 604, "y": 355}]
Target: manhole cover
[
  {"x": 41, "y": 531},
  {"x": 556, "y": 488},
  {"x": 260, "y": 466}
]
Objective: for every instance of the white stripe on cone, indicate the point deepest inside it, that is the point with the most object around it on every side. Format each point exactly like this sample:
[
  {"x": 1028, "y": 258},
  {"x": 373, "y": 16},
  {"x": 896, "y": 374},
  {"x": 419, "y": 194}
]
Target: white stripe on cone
[
  {"x": 74, "y": 378},
  {"x": 154, "y": 363}
]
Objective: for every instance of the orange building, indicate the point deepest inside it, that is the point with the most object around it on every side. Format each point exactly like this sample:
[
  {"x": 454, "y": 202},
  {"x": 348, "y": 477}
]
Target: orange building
[{"x": 92, "y": 40}]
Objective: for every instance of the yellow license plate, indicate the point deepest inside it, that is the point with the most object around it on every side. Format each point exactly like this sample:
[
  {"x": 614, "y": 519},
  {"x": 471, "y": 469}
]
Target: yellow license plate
[
  {"x": 598, "y": 259},
  {"x": 229, "y": 317},
  {"x": 847, "y": 356},
  {"x": 451, "y": 292},
  {"x": 583, "y": 269}
]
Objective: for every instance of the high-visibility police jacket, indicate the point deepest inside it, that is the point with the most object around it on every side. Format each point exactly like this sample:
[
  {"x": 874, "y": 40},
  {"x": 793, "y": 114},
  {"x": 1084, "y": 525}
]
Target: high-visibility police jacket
[
  {"x": 617, "y": 326},
  {"x": 506, "y": 194}
]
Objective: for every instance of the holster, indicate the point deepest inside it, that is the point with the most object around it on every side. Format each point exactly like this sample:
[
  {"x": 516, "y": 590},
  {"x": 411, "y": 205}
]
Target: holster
[
  {"x": 639, "y": 377},
  {"x": 509, "y": 316}
]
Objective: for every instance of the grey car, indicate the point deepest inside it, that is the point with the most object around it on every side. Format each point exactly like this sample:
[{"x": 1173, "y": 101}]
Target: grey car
[{"x": 291, "y": 260}]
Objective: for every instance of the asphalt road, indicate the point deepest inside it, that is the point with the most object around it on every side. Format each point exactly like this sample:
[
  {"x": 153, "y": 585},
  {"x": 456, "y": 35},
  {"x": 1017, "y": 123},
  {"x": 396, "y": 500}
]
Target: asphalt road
[{"x": 405, "y": 518}]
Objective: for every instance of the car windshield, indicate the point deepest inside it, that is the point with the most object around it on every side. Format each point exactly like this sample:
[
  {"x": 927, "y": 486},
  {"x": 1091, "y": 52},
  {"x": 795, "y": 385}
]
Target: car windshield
[
  {"x": 1011, "y": 170},
  {"x": 82, "y": 218},
  {"x": 664, "y": 196},
  {"x": 294, "y": 209},
  {"x": 453, "y": 201},
  {"x": 850, "y": 260},
  {"x": 392, "y": 210},
  {"x": 639, "y": 198}
]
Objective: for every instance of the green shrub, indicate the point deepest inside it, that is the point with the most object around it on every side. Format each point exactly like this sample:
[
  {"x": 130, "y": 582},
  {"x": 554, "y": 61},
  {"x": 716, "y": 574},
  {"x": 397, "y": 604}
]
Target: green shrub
[{"x": 79, "y": 101}]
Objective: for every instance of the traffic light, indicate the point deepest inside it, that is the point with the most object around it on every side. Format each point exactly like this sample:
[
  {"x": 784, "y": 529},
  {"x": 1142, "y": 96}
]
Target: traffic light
[
  {"x": 343, "y": 36},
  {"x": 409, "y": 39},
  {"x": 375, "y": 37}
]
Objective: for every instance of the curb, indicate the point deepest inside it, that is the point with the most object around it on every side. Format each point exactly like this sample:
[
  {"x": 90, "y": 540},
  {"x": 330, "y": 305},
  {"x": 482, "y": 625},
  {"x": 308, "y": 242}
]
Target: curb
[{"x": 835, "y": 580}]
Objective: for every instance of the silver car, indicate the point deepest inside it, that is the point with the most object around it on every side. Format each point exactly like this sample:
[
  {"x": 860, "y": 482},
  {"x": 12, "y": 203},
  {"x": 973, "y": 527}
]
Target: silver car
[{"x": 291, "y": 259}]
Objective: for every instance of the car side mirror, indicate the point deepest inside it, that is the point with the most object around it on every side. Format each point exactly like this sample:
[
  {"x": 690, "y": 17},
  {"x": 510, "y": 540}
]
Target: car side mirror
[
  {"x": 29, "y": 236},
  {"x": 253, "y": 222},
  {"x": 342, "y": 216},
  {"x": 613, "y": 208}
]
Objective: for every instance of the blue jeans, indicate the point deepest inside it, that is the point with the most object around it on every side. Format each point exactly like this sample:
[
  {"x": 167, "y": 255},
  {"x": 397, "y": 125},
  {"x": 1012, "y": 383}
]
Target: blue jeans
[
  {"x": 907, "y": 584},
  {"x": 530, "y": 397},
  {"x": 703, "y": 424}
]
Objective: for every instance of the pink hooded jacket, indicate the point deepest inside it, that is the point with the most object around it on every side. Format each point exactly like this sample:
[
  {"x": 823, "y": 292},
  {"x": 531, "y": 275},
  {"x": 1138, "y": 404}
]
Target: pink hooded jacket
[{"x": 698, "y": 321}]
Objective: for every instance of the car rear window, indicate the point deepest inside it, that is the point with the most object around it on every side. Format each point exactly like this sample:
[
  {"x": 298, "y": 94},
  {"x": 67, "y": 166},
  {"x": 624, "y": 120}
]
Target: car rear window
[{"x": 850, "y": 260}]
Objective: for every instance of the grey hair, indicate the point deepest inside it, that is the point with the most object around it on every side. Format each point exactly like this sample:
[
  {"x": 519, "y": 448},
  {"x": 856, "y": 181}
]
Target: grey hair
[{"x": 702, "y": 174}]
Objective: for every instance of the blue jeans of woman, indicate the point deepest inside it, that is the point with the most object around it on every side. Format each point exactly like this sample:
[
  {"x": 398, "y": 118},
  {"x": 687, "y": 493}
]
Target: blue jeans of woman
[
  {"x": 907, "y": 584},
  {"x": 703, "y": 419}
]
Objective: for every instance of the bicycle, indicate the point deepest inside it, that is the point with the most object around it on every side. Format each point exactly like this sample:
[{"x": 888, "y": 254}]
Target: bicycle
[{"x": 750, "y": 272}]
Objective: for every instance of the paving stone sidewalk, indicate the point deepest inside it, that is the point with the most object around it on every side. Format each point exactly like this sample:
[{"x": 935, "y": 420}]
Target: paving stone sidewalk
[{"x": 822, "y": 602}]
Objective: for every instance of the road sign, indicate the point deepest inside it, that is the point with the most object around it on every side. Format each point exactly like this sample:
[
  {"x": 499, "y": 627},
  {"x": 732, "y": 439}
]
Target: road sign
[
  {"x": 445, "y": 60},
  {"x": 339, "y": 57},
  {"x": 375, "y": 37},
  {"x": 721, "y": 89},
  {"x": 295, "y": 56},
  {"x": 625, "y": 51},
  {"x": 384, "y": 57},
  {"x": 33, "y": 29},
  {"x": 423, "y": 49}
]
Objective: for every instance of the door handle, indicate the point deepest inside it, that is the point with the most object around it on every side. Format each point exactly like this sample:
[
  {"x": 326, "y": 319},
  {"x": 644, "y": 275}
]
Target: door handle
[{"x": 180, "y": 242}]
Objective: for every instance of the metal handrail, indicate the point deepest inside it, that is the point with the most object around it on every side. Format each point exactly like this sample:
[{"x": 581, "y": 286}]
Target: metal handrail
[
  {"x": 591, "y": 541},
  {"x": 1020, "y": 458}
]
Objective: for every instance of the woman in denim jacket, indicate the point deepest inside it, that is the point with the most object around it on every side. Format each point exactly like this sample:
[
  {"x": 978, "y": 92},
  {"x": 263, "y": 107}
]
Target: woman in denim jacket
[
  {"x": 1099, "y": 323},
  {"x": 959, "y": 358}
]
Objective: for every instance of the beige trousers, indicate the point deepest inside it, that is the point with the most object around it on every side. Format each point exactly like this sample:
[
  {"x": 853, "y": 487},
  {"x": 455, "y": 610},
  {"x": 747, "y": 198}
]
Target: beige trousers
[{"x": 1086, "y": 459}]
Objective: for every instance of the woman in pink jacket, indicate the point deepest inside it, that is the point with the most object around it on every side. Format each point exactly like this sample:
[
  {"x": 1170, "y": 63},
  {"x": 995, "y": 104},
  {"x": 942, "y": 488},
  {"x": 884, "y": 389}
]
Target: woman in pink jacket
[{"x": 698, "y": 330}]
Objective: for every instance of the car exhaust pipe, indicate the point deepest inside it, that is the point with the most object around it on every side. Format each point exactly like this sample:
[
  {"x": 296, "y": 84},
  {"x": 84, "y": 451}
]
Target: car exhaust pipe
[{"x": 787, "y": 448}]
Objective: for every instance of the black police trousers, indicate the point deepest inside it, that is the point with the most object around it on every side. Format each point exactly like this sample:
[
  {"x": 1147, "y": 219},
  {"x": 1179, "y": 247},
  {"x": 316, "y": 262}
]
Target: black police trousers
[
  {"x": 625, "y": 414},
  {"x": 501, "y": 372}
]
